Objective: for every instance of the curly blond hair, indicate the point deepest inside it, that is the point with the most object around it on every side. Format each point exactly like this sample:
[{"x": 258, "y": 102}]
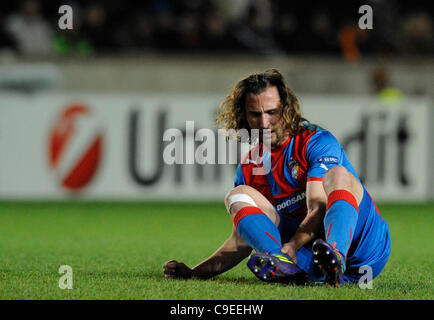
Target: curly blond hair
[{"x": 231, "y": 112}]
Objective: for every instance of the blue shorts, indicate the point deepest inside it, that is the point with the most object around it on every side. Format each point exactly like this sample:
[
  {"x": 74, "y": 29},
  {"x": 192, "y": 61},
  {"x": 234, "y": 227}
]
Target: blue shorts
[{"x": 370, "y": 245}]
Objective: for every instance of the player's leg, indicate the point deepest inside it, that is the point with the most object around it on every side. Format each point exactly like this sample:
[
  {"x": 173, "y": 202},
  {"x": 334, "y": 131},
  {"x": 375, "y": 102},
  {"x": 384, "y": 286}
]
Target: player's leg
[
  {"x": 256, "y": 221},
  {"x": 374, "y": 246},
  {"x": 344, "y": 194}
]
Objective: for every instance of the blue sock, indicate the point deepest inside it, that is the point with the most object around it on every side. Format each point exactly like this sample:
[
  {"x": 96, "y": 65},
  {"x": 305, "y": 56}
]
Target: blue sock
[
  {"x": 258, "y": 230},
  {"x": 340, "y": 220}
]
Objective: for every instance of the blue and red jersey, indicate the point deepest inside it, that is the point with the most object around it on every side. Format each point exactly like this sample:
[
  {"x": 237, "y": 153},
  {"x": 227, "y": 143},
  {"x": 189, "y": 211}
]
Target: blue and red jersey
[
  {"x": 286, "y": 170},
  {"x": 302, "y": 158}
]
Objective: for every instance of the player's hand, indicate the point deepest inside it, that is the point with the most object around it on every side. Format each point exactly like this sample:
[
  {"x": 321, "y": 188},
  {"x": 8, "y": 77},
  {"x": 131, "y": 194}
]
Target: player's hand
[
  {"x": 174, "y": 269},
  {"x": 289, "y": 250}
]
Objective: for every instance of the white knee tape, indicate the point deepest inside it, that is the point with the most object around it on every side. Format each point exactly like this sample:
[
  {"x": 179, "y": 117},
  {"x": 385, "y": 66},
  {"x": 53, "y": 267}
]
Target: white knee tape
[{"x": 240, "y": 197}]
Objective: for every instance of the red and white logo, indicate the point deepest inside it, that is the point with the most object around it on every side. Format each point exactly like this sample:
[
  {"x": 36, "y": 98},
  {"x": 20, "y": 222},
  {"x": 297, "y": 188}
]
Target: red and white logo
[{"x": 75, "y": 147}]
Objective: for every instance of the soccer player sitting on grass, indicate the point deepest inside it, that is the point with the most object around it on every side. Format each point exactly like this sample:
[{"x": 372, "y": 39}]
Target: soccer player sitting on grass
[{"x": 309, "y": 217}]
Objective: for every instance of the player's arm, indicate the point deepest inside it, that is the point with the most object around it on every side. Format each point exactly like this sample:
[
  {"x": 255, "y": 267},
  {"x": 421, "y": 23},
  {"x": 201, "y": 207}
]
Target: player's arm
[
  {"x": 322, "y": 153},
  {"x": 232, "y": 252},
  {"x": 309, "y": 228}
]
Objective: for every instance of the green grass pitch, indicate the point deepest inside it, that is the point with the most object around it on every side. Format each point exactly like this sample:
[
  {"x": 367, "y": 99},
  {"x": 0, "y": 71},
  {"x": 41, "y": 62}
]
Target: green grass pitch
[{"x": 116, "y": 251}]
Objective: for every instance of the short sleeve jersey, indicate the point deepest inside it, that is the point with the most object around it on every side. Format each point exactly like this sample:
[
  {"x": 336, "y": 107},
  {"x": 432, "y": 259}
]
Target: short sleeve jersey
[{"x": 282, "y": 174}]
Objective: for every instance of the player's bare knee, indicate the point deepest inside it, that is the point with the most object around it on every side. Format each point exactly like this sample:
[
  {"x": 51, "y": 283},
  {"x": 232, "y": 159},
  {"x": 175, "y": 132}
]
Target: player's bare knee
[
  {"x": 246, "y": 196},
  {"x": 339, "y": 178},
  {"x": 336, "y": 178}
]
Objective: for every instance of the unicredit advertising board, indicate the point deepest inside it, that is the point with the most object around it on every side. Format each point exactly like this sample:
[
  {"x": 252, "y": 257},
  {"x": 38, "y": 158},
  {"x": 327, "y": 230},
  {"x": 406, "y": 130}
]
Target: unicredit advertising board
[{"x": 89, "y": 146}]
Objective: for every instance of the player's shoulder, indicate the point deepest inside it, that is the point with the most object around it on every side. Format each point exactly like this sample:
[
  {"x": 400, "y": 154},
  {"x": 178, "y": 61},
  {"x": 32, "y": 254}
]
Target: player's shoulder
[
  {"x": 239, "y": 176},
  {"x": 323, "y": 145},
  {"x": 305, "y": 132},
  {"x": 320, "y": 135},
  {"x": 312, "y": 133},
  {"x": 316, "y": 140}
]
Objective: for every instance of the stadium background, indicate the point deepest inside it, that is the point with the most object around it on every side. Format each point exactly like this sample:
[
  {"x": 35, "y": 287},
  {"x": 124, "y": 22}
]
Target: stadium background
[{"x": 82, "y": 113}]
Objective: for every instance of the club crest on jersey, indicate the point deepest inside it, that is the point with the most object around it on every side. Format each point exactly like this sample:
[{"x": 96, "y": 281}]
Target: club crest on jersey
[{"x": 294, "y": 168}]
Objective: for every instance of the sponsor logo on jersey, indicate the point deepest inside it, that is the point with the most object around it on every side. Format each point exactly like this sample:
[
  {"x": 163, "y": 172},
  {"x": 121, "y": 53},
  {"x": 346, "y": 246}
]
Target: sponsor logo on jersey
[{"x": 293, "y": 202}]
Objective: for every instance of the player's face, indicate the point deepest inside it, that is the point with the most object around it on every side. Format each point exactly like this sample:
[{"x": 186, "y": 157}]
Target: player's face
[{"x": 264, "y": 111}]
